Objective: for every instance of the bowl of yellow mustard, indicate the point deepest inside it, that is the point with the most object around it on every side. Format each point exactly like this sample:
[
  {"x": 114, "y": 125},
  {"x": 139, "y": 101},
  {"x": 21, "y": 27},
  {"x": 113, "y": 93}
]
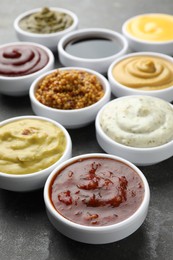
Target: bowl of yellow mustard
[
  {"x": 45, "y": 25},
  {"x": 150, "y": 32},
  {"x": 142, "y": 73},
  {"x": 31, "y": 147}
]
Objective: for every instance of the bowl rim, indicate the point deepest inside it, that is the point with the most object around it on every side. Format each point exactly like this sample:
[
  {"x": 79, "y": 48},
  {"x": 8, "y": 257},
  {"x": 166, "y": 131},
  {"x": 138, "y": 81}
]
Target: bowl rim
[
  {"x": 133, "y": 38},
  {"x": 101, "y": 32},
  {"x": 122, "y": 146},
  {"x": 111, "y": 227},
  {"x": 102, "y": 79},
  {"x": 51, "y": 60},
  {"x": 45, "y": 35},
  {"x": 43, "y": 171},
  {"x": 136, "y": 54}
]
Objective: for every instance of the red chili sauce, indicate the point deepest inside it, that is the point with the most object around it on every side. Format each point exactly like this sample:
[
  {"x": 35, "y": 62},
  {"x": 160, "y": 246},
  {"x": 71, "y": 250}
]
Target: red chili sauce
[
  {"x": 20, "y": 60},
  {"x": 96, "y": 191}
]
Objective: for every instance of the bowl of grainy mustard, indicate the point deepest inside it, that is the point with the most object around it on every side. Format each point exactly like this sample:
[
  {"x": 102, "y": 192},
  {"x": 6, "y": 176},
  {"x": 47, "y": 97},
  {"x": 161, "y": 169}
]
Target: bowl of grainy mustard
[
  {"x": 70, "y": 95},
  {"x": 45, "y": 25}
]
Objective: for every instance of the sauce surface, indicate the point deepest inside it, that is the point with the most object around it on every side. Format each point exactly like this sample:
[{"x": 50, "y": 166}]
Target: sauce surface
[
  {"x": 154, "y": 27},
  {"x": 93, "y": 48},
  {"x": 138, "y": 121},
  {"x": 20, "y": 60},
  {"x": 46, "y": 21},
  {"x": 30, "y": 145},
  {"x": 96, "y": 191},
  {"x": 144, "y": 72}
]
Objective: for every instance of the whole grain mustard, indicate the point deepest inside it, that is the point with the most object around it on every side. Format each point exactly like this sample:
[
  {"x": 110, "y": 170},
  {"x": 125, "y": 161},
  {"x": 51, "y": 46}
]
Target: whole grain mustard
[{"x": 69, "y": 89}]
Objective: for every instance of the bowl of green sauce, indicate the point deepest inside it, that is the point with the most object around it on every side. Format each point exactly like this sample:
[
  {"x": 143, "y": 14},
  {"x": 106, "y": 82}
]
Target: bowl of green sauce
[{"x": 45, "y": 25}]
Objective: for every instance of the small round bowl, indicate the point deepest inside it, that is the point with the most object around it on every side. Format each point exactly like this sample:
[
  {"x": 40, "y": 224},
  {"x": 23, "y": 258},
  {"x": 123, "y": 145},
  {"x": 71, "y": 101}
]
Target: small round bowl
[
  {"x": 19, "y": 85},
  {"x": 137, "y": 44},
  {"x": 120, "y": 90},
  {"x": 98, "y": 64},
  {"x": 139, "y": 156},
  {"x": 74, "y": 118},
  {"x": 49, "y": 40},
  {"x": 104, "y": 233},
  {"x": 36, "y": 180}
]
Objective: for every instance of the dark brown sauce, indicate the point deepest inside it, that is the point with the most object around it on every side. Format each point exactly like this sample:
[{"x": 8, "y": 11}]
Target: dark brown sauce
[{"x": 93, "y": 48}]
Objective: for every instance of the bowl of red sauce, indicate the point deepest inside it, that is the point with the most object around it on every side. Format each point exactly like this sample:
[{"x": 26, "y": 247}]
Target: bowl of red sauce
[
  {"x": 96, "y": 198},
  {"x": 20, "y": 64}
]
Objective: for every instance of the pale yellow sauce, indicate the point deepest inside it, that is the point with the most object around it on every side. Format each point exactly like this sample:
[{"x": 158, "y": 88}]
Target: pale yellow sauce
[
  {"x": 151, "y": 27},
  {"x": 30, "y": 145},
  {"x": 138, "y": 121},
  {"x": 144, "y": 72}
]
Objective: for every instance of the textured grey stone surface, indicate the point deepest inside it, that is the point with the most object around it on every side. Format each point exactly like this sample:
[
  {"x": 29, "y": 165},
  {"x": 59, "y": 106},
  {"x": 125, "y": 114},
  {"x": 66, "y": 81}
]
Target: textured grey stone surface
[{"x": 25, "y": 232}]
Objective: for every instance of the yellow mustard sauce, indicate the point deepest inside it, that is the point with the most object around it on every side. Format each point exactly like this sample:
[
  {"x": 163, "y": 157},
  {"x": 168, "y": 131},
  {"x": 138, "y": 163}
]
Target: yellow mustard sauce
[
  {"x": 144, "y": 72},
  {"x": 151, "y": 27},
  {"x": 30, "y": 145}
]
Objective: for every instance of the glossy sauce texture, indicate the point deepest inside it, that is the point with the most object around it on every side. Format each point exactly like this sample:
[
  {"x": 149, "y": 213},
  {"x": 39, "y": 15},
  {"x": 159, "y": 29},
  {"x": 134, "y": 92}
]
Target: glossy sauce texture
[
  {"x": 97, "y": 191},
  {"x": 151, "y": 27},
  {"x": 93, "y": 48},
  {"x": 20, "y": 60}
]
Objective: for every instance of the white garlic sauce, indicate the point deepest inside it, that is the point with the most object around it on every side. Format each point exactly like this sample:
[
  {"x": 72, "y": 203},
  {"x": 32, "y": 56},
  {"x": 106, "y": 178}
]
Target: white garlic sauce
[{"x": 138, "y": 121}]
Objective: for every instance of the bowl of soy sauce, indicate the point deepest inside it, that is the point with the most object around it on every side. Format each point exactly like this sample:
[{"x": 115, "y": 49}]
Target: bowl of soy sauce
[{"x": 93, "y": 48}]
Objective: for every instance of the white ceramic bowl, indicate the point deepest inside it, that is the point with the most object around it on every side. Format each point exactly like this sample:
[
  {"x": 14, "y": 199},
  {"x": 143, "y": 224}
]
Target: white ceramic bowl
[
  {"x": 139, "y": 156},
  {"x": 19, "y": 85},
  {"x": 97, "y": 234},
  {"x": 36, "y": 180},
  {"x": 70, "y": 118},
  {"x": 98, "y": 64},
  {"x": 49, "y": 40},
  {"x": 137, "y": 44},
  {"x": 120, "y": 90}
]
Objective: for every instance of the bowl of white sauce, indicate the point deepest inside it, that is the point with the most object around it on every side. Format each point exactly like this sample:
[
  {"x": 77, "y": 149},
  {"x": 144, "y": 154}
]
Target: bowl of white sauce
[{"x": 137, "y": 128}]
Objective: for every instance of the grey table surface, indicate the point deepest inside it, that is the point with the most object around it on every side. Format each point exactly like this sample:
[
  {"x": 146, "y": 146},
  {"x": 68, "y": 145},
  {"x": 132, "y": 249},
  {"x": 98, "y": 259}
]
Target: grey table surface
[{"x": 25, "y": 231}]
